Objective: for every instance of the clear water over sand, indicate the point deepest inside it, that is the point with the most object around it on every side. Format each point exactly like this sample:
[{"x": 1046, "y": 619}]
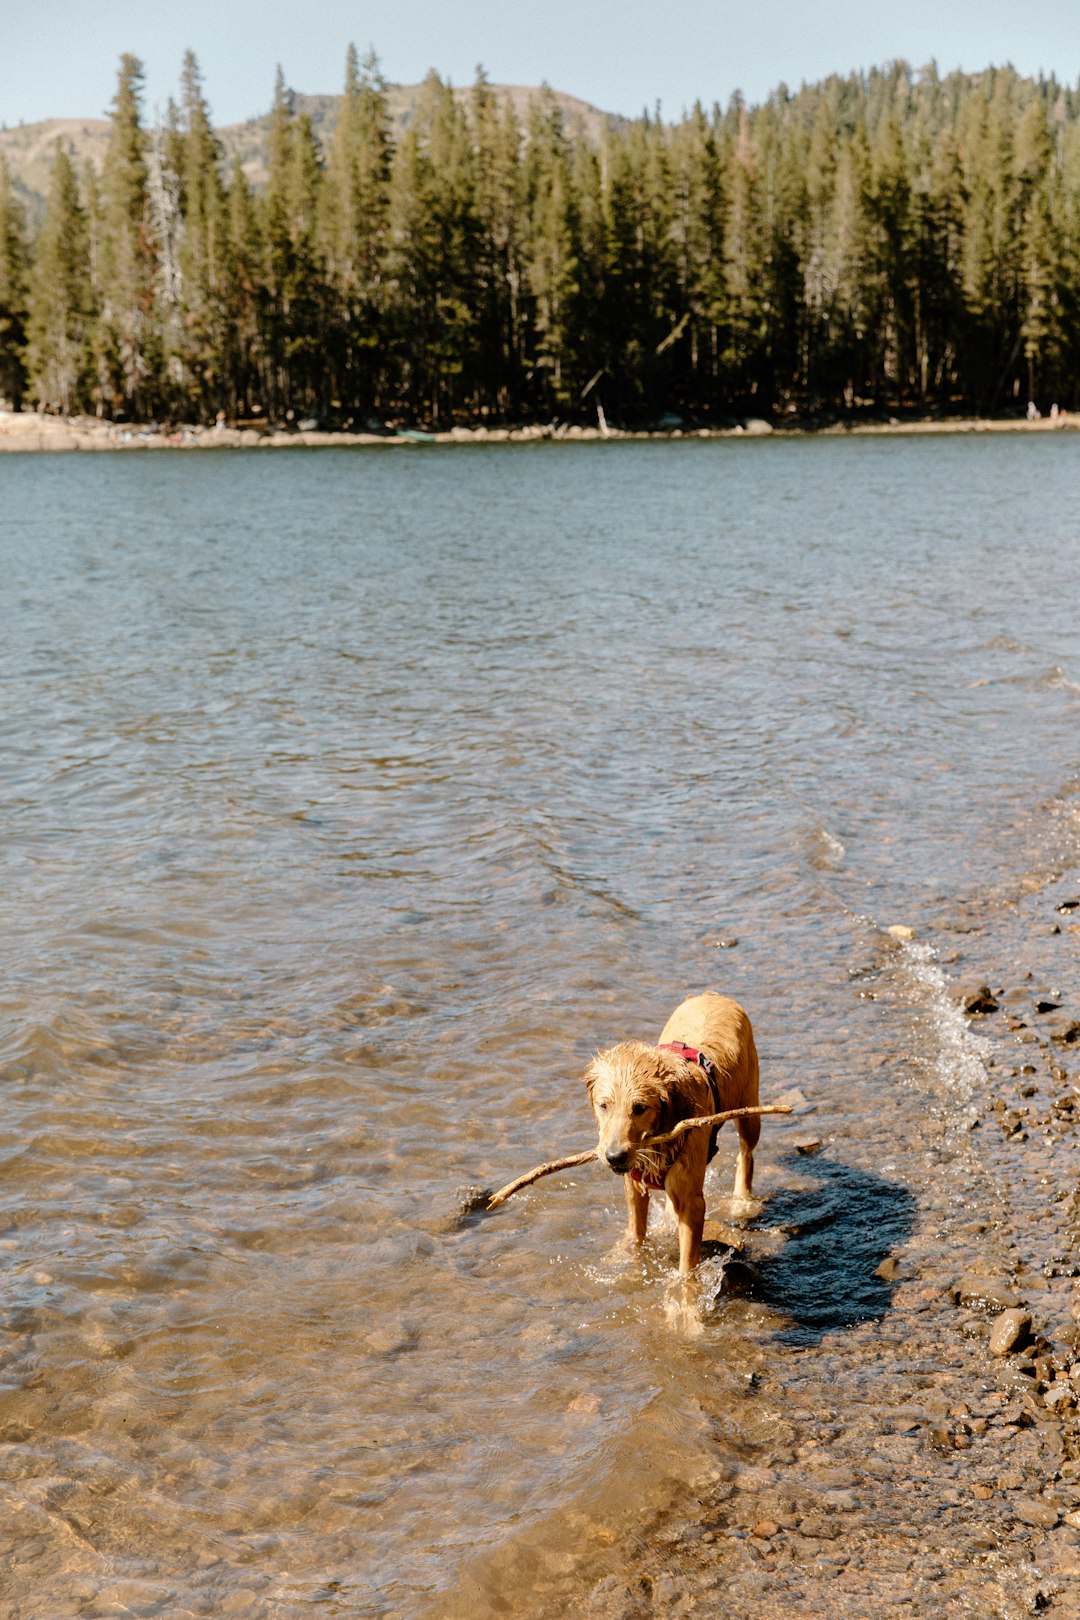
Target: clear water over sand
[{"x": 350, "y": 801}]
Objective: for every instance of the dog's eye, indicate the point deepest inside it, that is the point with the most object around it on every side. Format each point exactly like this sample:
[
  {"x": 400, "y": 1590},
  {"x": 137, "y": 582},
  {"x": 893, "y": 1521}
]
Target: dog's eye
[
  {"x": 602, "y": 1106},
  {"x": 638, "y": 1108}
]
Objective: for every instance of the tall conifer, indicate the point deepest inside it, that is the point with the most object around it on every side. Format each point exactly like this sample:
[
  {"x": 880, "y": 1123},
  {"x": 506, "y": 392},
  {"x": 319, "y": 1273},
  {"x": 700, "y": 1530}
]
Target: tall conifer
[
  {"x": 127, "y": 336},
  {"x": 59, "y": 358},
  {"x": 13, "y": 292}
]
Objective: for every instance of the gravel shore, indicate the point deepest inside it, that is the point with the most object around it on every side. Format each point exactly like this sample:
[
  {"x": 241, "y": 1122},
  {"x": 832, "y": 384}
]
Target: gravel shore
[{"x": 30, "y": 431}]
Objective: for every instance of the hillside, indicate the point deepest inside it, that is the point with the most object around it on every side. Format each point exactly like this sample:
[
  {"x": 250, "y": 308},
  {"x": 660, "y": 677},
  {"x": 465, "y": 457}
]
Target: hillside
[
  {"x": 890, "y": 242},
  {"x": 28, "y": 148}
]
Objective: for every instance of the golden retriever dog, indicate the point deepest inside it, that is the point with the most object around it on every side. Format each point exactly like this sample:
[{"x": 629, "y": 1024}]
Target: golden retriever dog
[{"x": 705, "y": 1062}]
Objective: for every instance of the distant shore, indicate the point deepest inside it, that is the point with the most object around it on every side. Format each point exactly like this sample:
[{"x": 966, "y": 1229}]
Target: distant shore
[{"x": 28, "y": 431}]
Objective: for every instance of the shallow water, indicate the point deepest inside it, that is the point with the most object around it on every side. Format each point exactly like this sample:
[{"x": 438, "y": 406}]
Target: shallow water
[{"x": 351, "y": 801}]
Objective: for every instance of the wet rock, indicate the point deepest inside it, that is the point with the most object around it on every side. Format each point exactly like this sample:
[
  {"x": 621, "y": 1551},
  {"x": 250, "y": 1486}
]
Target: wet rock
[
  {"x": 808, "y": 1145},
  {"x": 1034, "y": 1511},
  {"x": 1065, "y": 1031},
  {"x": 717, "y": 1232},
  {"x": 765, "y": 1529},
  {"x": 1068, "y": 905},
  {"x": 889, "y": 1269},
  {"x": 975, "y": 997},
  {"x": 469, "y": 1204},
  {"x": 615, "y": 1599},
  {"x": 796, "y": 1100},
  {"x": 1045, "y": 1005},
  {"x": 725, "y": 944},
  {"x": 901, "y": 931},
  {"x": 994, "y": 1292},
  {"x": 820, "y": 1526}
]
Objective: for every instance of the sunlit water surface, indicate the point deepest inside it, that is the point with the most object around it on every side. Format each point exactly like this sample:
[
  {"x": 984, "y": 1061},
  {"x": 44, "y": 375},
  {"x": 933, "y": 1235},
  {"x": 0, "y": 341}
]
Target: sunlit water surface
[{"x": 351, "y": 800}]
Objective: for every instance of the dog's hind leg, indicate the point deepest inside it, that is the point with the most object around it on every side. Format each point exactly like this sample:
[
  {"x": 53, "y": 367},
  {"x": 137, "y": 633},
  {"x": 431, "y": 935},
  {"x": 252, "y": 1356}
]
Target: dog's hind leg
[
  {"x": 637, "y": 1209},
  {"x": 749, "y": 1131}
]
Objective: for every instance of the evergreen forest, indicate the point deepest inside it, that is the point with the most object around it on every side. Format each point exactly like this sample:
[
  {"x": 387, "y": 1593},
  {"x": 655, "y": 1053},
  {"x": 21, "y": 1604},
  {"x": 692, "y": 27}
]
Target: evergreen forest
[{"x": 889, "y": 242}]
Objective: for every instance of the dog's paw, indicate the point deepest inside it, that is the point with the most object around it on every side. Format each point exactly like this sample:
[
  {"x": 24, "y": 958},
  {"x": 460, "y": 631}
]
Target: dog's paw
[{"x": 683, "y": 1306}]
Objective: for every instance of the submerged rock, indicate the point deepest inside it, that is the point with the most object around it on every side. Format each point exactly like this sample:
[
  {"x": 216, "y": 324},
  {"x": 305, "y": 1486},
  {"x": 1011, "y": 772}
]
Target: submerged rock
[{"x": 1031, "y": 1510}]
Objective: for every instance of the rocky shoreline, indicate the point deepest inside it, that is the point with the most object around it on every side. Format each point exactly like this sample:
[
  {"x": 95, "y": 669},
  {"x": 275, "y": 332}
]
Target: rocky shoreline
[
  {"x": 29, "y": 431},
  {"x": 939, "y": 1472}
]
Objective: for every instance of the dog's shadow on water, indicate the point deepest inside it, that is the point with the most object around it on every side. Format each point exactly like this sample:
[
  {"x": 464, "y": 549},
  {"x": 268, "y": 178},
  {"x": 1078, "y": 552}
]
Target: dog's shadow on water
[{"x": 839, "y": 1232}]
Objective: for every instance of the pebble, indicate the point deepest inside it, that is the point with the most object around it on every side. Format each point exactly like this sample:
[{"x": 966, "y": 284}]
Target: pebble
[
  {"x": 1008, "y": 1330},
  {"x": 765, "y": 1529},
  {"x": 820, "y": 1527},
  {"x": 1033, "y": 1511},
  {"x": 975, "y": 998},
  {"x": 995, "y": 1292},
  {"x": 901, "y": 931}
]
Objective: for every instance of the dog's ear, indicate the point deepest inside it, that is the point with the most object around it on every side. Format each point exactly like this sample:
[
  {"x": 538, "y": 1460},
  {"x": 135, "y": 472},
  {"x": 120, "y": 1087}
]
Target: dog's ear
[{"x": 676, "y": 1103}]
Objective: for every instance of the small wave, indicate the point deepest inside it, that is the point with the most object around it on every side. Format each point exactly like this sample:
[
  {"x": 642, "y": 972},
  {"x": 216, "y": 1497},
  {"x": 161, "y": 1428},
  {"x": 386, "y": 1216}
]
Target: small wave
[
  {"x": 958, "y": 1066},
  {"x": 1056, "y": 680},
  {"x": 825, "y": 850}
]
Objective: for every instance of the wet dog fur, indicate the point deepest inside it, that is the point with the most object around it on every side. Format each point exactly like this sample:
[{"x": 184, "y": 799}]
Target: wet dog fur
[{"x": 638, "y": 1091}]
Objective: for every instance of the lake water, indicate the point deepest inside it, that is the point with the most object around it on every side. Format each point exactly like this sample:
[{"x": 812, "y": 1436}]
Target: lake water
[{"x": 351, "y": 800}]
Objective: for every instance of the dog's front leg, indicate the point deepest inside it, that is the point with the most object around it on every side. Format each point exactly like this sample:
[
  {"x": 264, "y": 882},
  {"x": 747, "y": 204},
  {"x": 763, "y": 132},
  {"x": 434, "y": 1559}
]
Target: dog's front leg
[
  {"x": 637, "y": 1209},
  {"x": 690, "y": 1213}
]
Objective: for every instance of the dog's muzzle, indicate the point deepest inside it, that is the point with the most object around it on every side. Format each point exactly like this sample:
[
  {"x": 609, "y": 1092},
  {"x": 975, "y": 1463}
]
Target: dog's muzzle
[{"x": 618, "y": 1160}]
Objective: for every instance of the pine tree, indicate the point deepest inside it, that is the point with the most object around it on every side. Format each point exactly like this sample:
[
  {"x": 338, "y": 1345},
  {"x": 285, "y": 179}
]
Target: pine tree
[
  {"x": 888, "y": 271},
  {"x": 243, "y": 297},
  {"x": 355, "y": 223},
  {"x": 59, "y": 358},
  {"x": 127, "y": 337},
  {"x": 744, "y": 258},
  {"x": 892, "y": 238},
  {"x": 496, "y": 138},
  {"x": 13, "y": 292},
  {"x": 201, "y": 267},
  {"x": 1039, "y": 249},
  {"x": 697, "y": 227},
  {"x": 550, "y": 259},
  {"x": 294, "y": 294},
  {"x": 433, "y": 256}
]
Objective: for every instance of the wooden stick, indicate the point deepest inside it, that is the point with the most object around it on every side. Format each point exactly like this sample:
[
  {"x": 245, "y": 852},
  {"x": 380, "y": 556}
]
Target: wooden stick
[
  {"x": 713, "y": 1119},
  {"x": 574, "y": 1159},
  {"x": 534, "y": 1175}
]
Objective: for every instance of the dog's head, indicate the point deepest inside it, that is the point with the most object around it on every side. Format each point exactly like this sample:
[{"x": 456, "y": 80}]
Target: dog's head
[{"x": 636, "y": 1092}]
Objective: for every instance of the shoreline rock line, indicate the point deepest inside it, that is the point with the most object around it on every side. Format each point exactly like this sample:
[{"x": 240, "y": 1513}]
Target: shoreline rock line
[{"x": 29, "y": 431}]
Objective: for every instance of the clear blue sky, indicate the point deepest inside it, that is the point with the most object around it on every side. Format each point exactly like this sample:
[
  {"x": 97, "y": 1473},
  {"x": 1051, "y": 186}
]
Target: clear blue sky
[{"x": 58, "y": 57}]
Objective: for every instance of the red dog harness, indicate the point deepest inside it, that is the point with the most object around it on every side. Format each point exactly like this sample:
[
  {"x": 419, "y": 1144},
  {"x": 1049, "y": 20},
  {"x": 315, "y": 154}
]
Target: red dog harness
[{"x": 708, "y": 1069}]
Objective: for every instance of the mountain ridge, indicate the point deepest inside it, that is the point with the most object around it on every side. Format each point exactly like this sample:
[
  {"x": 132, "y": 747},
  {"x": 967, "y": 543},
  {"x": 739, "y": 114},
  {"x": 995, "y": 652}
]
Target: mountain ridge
[{"x": 28, "y": 148}]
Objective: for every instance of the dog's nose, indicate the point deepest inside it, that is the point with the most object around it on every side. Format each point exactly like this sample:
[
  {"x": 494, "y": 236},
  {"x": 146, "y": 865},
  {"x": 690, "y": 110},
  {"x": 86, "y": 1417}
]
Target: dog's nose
[{"x": 618, "y": 1158}]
